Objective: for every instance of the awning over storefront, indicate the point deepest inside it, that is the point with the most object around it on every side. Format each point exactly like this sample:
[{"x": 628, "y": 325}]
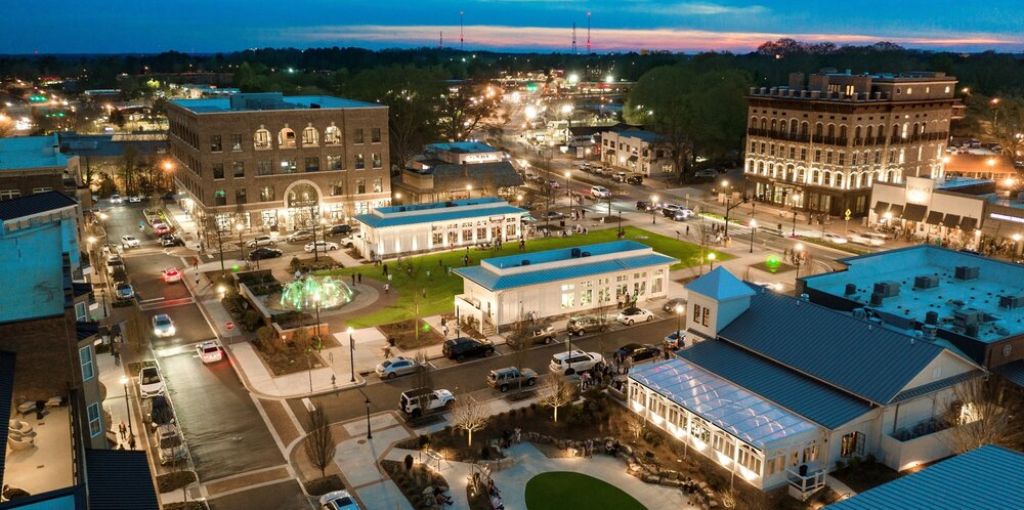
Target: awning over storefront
[
  {"x": 934, "y": 218},
  {"x": 896, "y": 210},
  {"x": 914, "y": 212},
  {"x": 951, "y": 220},
  {"x": 881, "y": 207},
  {"x": 968, "y": 223}
]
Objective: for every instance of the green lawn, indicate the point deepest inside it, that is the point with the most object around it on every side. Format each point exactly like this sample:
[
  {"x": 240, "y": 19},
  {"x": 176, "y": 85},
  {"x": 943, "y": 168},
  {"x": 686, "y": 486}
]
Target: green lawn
[
  {"x": 563, "y": 490},
  {"x": 441, "y": 287}
]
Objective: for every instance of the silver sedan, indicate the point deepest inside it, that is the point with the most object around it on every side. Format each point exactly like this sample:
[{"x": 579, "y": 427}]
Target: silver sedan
[{"x": 395, "y": 367}]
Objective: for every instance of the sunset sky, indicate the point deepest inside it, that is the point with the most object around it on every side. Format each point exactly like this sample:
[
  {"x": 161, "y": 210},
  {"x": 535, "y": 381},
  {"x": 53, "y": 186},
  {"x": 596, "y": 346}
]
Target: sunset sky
[{"x": 65, "y": 26}]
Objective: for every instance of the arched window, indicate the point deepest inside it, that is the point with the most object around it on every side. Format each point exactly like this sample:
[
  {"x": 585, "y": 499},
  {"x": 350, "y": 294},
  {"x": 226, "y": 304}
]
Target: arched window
[
  {"x": 818, "y": 130},
  {"x": 790, "y": 173},
  {"x": 286, "y": 138},
  {"x": 332, "y": 135},
  {"x": 880, "y": 176},
  {"x": 760, "y": 167},
  {"x": 261, "y": 139},
  {"x": 856, "y": 135},
  {"x": 764, "y": 124},
  {"x": 753, "y": 122},
  {"x": 826, "y": 178},
  {"x": 831, "y": 130},
  {"x": 800, "y": 174},
  {"x": 842, "y": 133},
  {"x": 815, "y": 177},
  {"x": 792, "y": 127},
  {"x": 803, "y": 128},
  {"x": 857, "y": 180},
  {"x": 895, "y": 130},
  {"x": 838, "y": 178},
  {"x": 871, "y": 134},
  {"x": 892, "y": 176},
  {"x": 310, "y": 137},
  {"x": 774, "y": 126}
]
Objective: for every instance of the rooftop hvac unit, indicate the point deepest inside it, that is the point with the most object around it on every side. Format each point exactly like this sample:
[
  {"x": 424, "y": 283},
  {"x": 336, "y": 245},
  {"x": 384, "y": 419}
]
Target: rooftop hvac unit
[
  {"x": 967, "y": 272},
  {"x": 929, "y": 331},
  {"x": 860, "y": 313},
  {"x": 926, "y": 282},
  {"x": 971, "y": 330},
  {"x": 851, "y": 289},
  {"x": 575, "y": 253},
  {"x": 876, "y": 299},
  {"x": 932, "y": 317},
  {"x": 964, "y": 318},
  {"x": 585, "y": 254},
  {"x": 1011, "y": 302},
  {"x": 887, "y": 289}
]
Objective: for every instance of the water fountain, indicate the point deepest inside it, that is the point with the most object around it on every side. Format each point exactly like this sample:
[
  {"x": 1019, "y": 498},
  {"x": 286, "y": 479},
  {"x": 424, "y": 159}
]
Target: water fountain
[{"x": 302, "y": 293}]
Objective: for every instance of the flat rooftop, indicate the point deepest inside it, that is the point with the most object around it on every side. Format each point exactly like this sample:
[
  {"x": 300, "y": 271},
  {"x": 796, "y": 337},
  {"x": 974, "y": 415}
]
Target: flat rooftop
[
  {"x": 47, "y": 465},
  {"x": 247, "y": 102},
  {"x": 27, "y": 152},
  {"x": 461, "y": 147},
  {"x": 952, "y": 294},
  {"x": 401, "y": 215}
]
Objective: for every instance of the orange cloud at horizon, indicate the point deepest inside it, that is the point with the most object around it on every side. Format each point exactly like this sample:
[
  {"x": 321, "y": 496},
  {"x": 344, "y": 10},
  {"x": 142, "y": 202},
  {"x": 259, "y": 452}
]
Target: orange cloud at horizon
[{"x": 606, "y": 39}]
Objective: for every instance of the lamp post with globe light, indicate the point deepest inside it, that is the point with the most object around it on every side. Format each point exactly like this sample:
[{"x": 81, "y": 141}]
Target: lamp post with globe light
[
  {"x": 798, "y": 251},
  {"x": 127, "y": 405},
  {"x": 654, "y": 209},
  {"x": 351, "y": 354},
  {"x": 679, "y": 323},
  {"x": 753, "y": 228}
]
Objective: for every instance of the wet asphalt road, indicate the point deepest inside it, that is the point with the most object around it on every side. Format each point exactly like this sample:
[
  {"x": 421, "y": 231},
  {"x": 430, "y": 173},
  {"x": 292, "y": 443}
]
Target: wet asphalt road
[
  {"x": 279, "y": 496},
  {"x": 224, "y": 431}
]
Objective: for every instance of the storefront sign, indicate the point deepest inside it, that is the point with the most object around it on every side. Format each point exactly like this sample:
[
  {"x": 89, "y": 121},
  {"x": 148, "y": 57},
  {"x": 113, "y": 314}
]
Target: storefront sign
[{"x": 1004, "y": 217}]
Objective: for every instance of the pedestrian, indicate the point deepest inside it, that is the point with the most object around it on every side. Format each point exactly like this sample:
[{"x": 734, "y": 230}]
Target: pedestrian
[
  {"x": 387, "y": 287},
  {"x": 522, "y": 244},
  {"x": 116, "y": 353},
  {"x": 353, "y": 278},
  {"x": 131, "y": 441},
  {"x": 444, "y": 329},
  {"x": 465, "y": 260},
  {"x": 387, "y": 352},
  {"x": 360, "y": 277},
  {"x": 385, "y": 269},
  {"x": 123, "y": 430}
]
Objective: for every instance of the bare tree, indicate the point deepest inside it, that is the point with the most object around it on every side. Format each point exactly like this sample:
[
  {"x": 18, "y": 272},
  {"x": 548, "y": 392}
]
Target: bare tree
[
  {"x": 424, "y": 379},
  {"x": 468, "y": 415},
  {"x": 985, "y": 411},
  {"x": 556, "y": 392},
  {"x": 319, "y": 443}
]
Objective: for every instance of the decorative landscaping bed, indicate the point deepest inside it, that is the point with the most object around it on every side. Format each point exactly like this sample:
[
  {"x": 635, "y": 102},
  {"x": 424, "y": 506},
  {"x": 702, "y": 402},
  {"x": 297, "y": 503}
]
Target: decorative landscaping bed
[
  {"x": 404, "y": 334},
  {"x": 415, "y": 482},
  {"x": 321, "y": 486},
  {"x": 172, "y": 481}
]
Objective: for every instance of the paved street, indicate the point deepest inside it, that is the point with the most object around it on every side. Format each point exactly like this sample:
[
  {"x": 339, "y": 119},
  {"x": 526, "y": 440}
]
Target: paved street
[
  {"x": 471, "y": 375},
  {"x": 279, "y": 496}
]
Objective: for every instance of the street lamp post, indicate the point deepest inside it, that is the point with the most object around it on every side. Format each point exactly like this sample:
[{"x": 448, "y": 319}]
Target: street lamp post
[
  {"x": 796, "y": 198},
  {"x": 398, "y": 198},
  {"x": 654, "y": 209},
  {"x": 753, "y": 227},
  {"x": 220, "y": 247},
  {"x": 728, "y": 201},
  {"x": 711, "y": 261},
  {"x": 241, "y": 249},
  {"x": 679, "y": 324},
  {"x": 351, "y": 354},
  {"x": 469, "y": 191},
  {"x": 127, "y": 405},
  {"x": 798, "y": 251},
  {"x": 369, "y": 431},
  {"x": 568, "y": 189}
]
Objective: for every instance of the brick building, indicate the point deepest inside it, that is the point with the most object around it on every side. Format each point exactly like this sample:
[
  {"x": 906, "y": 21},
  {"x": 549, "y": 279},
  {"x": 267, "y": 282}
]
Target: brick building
[
  {"x": 276, "y": 163},
  {"x": 819, "y": 146},
  {"x": 34, "y": 164}
]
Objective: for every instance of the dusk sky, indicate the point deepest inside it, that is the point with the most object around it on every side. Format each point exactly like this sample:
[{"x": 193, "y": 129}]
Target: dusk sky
[{"x": 77, "y": 26}]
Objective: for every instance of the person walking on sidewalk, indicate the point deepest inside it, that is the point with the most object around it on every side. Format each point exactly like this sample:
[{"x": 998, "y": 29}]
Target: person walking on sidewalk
[
  {"x": 353, "y": 278},
  {"x": 387, "y": 352},
  {"x": 123, "y": 431}
]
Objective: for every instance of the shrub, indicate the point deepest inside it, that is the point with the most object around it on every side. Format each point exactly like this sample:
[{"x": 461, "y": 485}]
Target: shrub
[
  {"x": 424, "y": 440},
  {"x": 294, "y": 265},
  {"x": 251, "y": 320},
  {"x": 408, "y": 462}
]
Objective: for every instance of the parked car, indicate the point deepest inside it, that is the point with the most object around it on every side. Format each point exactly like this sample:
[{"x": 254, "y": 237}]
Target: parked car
[
  {"x": 619, "y": 177},
  {"x": 635, "y": 179},
  {"x": 129, "y": 241},
  {"x": 670, "y": 210},
  {"x": 834, "y": 238},
  {"x": 634, "y": 314},
  {"x": 163, "y": 326},
  {"x": 504, "y": 379},
  {"x": 300, "y": 235},
  {"x": 136, "y": 199},
  {"x": 671, "y": 304},
  {"x": 536, "y": 335},
  {"x": 170, "y": 240},
  {"x": 347, "y": 241},
  {"x": 338, "y": 500},
  {"x": 394, "y": 367},
  {"x": 320, "y": 246},
  {"x": 171, "y": 275},
  {"x": 209, "y": 351},
  {"x": 707, "y": 172},
  {"x": 584, "y": 324},
  {"x": 170, "y": 448},
  {"x": 645, "y": 206},
  {"x": 116, "y": 199},
  {"x": 265, "y": 253},
  {"x": 123, "y": 291},
  {"x": 419, "y": 401},
  {"x": 151, "y": 383},
  {"x": 465, "y": 347},
  {"x": 866, "y": 238},
  {"x": 340, "y": 230},
  {"x": 638, "y": 352},
  {"x": 114, "y": 260},
  {"x": 157, "y": 411},
  {"x": 552, "y": 215},
  {"x": 161, "y": 229},
  {"x": 262, "y": 241},
  {"x": 683, "y": 214},
  {"x": 574, "y": 362},
  {"x": 600, "y": 192}
]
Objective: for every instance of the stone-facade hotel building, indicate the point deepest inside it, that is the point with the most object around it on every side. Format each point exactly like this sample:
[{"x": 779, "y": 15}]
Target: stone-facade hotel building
[
  {"x": 819, "y": 146},
  {"x": 275, "y": 163}
]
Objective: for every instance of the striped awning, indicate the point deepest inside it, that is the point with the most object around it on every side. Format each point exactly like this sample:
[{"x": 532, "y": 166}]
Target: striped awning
[
  {"x": 951, "y": 220},
  {"x": 934, "y": 218}
]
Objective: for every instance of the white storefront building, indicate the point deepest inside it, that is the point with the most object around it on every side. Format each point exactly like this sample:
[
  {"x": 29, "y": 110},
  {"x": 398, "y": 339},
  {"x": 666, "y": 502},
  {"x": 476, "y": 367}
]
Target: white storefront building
[
  {"x": 505, "y": 290},
  {"x": 417, "y": 228}
]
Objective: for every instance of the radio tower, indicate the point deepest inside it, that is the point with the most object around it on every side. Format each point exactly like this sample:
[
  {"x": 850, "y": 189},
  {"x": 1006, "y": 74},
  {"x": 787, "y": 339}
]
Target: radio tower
[
  {"x": 573, "y": 37},
  {"x": 588, "y": 32},
  {"x": 462, "y": 39},
  {"x": 440, "y": 40}
]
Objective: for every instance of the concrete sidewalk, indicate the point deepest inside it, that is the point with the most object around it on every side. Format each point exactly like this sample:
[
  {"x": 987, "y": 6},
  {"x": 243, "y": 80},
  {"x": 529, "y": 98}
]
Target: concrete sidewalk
[{"x": 299, "y": 384}]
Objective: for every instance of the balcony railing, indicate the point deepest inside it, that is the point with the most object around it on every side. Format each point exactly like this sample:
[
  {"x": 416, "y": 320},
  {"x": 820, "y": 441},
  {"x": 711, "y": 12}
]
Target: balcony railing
[{"x": 803, "y": 486}]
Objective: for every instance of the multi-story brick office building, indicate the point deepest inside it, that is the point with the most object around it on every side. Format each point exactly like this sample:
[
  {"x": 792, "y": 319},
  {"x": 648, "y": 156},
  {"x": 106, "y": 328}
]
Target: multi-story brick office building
[
  {"x": 819, "y": 146},
  {"x": 274, "y": 162}
]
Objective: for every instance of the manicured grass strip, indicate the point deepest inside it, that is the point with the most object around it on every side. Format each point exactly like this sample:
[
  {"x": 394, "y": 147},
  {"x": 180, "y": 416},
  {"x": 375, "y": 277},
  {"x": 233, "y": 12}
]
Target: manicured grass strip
[
  {"x": 564, "y": 490},
  {"x": 441, "y": 286}
]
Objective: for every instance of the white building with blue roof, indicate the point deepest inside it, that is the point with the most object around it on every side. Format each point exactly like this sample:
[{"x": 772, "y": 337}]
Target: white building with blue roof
[
  {"x": 418, "y": 228},
  {"x": 504, "y": 290},
  {"x": 780, "y": 390}
]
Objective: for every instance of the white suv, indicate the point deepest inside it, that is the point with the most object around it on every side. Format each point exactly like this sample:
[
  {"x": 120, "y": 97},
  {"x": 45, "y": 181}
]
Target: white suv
[{"x": 574, "y": 361}]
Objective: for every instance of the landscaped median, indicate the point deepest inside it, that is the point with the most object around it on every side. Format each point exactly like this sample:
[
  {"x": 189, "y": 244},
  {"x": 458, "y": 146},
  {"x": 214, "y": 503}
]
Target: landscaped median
[{"x": 425, "y": 286}]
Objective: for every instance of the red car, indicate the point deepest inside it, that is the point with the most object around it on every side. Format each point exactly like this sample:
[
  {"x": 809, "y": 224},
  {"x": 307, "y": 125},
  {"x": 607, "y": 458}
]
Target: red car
[
  {"x": 161, "y": 229},
  {"x": 171, "y": 275}
]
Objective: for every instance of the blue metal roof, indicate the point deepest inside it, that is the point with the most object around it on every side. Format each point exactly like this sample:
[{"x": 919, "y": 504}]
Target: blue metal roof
[
  {"x": 25, "y": 152},
  {"x": 744, "y": 414},
  {"x": 7, "y": 362},
  {"x": 855, "y": 355},
  {"x": 987, "y": 478},
  {"x": 463, "y": 147},
  {"x": 1013, "y": 372},
  {"x": 119, "y": 479},
  {"x": 800, "y": 394},
  {"x": 35, "y": 203},
  {"x": 437, "y": 205},
  {"x": 541, "y": 257},
  {"x": 720, "y": 285},
  {"x": 934, "y": 386},
  {"x": 493, "y": 281},
  {"x": 374, "y": 221}
]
